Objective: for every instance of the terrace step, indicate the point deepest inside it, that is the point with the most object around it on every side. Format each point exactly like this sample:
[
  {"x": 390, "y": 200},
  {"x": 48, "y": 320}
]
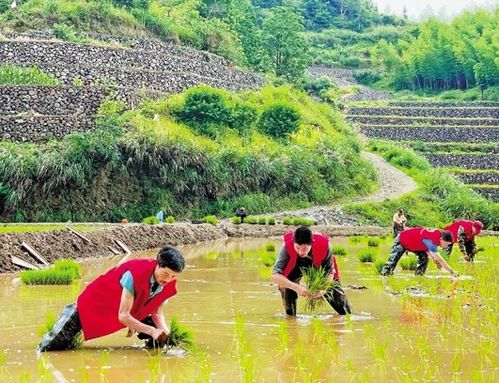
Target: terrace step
[
  {"x": 444, "y": 104},
  {"x": 432, "y": 134},
  {"x": 492, "y": 193},
  {"x": 464, "y": 161},
  {"x": 481, "y": 178},
  {"x": 451, "y": 112},
  {"x": 429, "y": 121}
]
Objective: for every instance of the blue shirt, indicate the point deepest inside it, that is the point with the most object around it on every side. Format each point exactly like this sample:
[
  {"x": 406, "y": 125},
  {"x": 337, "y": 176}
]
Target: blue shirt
[
  {"x": 126, "y": 282},
  {"x": 430, "y": 245}
]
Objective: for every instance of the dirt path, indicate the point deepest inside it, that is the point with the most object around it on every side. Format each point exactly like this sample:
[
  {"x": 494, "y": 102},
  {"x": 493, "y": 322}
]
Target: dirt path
[{"x": 393, "y": 184}]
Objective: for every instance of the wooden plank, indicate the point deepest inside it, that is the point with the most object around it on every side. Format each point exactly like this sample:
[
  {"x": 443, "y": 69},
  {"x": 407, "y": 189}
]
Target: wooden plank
[
  {"x": 123, "y": 246},
  {"x": 113, "y": 250},
  {"x": 78, "y": 234},
  {"x": 34, "y": 253},
  {"x": 21, "y": 262}
]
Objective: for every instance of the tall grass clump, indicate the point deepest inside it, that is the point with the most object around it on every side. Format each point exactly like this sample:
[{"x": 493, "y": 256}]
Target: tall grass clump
[
  {"x": 367, "y": 255},
  {"x": 180, "y": 336},
  {"x": 12, "y": 75},
  {"x": 316, "y": 280}
]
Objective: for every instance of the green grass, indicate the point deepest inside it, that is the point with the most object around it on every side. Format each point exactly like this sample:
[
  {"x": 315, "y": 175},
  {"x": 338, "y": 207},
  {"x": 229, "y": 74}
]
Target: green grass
[
  {"x": 12, "y": 75},
  {"x": 27, "y": 228}
]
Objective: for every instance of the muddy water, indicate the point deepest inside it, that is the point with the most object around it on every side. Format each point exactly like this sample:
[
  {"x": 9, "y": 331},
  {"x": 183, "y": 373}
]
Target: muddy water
[{"x": 225, "y": 281}]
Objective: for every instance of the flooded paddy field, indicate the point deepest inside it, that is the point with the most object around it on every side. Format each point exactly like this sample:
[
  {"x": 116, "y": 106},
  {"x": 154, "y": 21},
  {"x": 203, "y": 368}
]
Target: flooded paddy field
[{"x": 403, "y": 328}]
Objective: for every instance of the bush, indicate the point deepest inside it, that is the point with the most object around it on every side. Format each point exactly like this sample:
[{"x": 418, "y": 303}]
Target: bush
[
  {"x": 271, "y": 220},
  {"x": 236, "y": 220},
  {"x": 373, "y": 242},
  {"x": 211, "y": 219},
  {"x": 409, "y": 263},
  {"x": 66, "y": 32},
  {"x": 339, "y": 250},
  {"x": 350, "y": 61},
  {"x": 151, "y": 220},
  {"x": 366, "y": 76},
  {"x": 279, "y": 120},
  {"x": 367, "y": 255},
  {"x": 262, "y": 220},
  {"x": 170, "y": 219}
]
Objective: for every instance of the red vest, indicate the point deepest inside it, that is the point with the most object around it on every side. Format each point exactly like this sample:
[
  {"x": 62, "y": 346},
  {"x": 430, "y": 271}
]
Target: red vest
[
  {"x": 412, "y": 239},
  {"x": 468, "y": 230},
  {"x": 320, "y": 250},
  {"x": 98, "y": 305}
]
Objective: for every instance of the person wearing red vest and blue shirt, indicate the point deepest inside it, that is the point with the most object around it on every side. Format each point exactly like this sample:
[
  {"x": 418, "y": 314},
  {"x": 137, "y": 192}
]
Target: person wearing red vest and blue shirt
[
  {"x": 424, "y": 243},
  {"x": 464, "y": 233},
  {"x": 129, "y": 295},
  {"x": 303, "y": 249}
]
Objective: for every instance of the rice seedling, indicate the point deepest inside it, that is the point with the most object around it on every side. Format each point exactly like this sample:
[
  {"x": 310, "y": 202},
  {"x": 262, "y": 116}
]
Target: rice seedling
[
  {"x": 287, "y": 221},
  {"x": 262, "y": 220},
  {"x": 69, "y": 265},
  {"x": 47, "y": 277},
  {"x": 373, "y": 242},
  {"x": 50, "y": 320},
  {"x": 378, "y": 266},
  {"x": 409, "y": 263},
  {"x": 244, "y": 352},
  {"x": 154, "y": 367},
  {"x": 236, "y": 220},
  {"x": 269, "y": 246},
  {"x": 180, "y": 336},
  {"x": 268, "y": 259},
  {"x": 170, "y": 219},
  {"x": 316, "y": 280},
  {"x": 211, "y": 219},
  {"x": 271, "y": 220},
  {"x": 205, "y": 368},
  {"x": 251, "y": 219},
  {"x": 339, "y": 250},
  {"x": 283, "y": 336},
  {"x": 103, "y": 364},
  {"x": 354, "y": 239},
  {"x": 367, "y": 255},
  {"x": 151, "y": 220},
  {"x": 3, "y": 359}
]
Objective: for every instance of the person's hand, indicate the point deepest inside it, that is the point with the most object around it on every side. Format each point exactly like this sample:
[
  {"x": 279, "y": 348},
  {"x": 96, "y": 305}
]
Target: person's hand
[
  {"x": 318, "y": 294},
  {"x": 302, "y": 291},
  {"x": 160, "y": 335},
  {"x": 438, "y": 264}
]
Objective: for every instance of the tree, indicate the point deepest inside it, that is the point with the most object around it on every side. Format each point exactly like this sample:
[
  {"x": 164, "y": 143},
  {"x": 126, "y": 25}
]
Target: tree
[{"x": 285, "y": 47}]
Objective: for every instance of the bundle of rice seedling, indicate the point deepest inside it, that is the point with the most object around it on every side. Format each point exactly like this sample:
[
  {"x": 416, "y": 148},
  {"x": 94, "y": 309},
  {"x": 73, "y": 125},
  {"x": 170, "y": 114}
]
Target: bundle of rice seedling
[
  {"x": 316, "y": 279},
  {"x": 180, "y": 336}
]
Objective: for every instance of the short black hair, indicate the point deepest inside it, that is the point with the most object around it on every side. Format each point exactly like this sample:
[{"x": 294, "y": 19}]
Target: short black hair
[
  {"x": 401, "y": 210},
  {"x": 171, "y": 258},
  {"x": 303, "y": 236},
  {"x": 447, "y": 236}
]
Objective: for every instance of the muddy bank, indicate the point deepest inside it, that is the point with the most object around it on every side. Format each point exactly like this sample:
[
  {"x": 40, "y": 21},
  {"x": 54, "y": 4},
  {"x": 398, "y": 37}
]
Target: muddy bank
[{"x": 64, "y": 244}]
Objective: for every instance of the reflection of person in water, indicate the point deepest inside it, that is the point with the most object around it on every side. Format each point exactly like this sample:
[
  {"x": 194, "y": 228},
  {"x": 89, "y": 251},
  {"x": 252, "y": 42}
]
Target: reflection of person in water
[
  {"x": 130, "y": 295},
  {"x": 303, "y": 249}
]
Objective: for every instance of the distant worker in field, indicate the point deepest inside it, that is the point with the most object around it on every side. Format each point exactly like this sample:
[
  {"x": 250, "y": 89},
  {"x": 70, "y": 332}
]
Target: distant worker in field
[
  {"x": 129, "y": 295},
  {"x": 160, "y": 216},
  {"x": 424, "y": 243},
  {"x": 241, "y": 213},
  {"x": 399, "y": 221},
  {"x": 464, "y": 233},
  {"x": 303, "y": 249}
]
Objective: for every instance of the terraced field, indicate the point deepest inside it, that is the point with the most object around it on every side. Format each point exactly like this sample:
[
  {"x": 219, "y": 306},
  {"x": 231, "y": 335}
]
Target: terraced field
[{"x": 461, "y": 136}]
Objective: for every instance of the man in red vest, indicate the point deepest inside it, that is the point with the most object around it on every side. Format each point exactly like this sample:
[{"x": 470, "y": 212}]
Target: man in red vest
[
  {"x": 422, "y": 242},
  {"x": 464, "y": 233},
  {"x": 303, "y": 249},
  {"x": 129, "y": 295}
]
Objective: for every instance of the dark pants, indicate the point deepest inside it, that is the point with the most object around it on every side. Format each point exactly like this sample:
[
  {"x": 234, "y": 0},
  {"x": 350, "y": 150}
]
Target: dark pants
[
  {"x": 470, "y": 247},
  {"x": 335, "y": 296},
  {"x": 397, "y": 251},
  {"x": 150, "y": 342},
  {"x": 396, "y": 230},
  {"x": 65, "y": 332}
]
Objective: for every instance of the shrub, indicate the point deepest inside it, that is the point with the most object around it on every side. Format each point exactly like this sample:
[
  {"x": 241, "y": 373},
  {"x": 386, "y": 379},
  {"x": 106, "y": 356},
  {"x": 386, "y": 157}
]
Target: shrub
[
  {"x": 339, "y": 250},
  {"x": 170, "y": 219},
  {"x": 66, "y": 32},
  {"x": 271, "y": 220},
  {"x": 366, "y": 76},
  {"x": 211, "y": 219},
  {"x": 279, "y": 120},
  {"x": 151, "y": 220},
  {"x": 409, "y": 263},
  {"x": 236, "y": 220},
  {"x": 350, "y": 61},
  {"x": 373, "y": 242},
  {"x": 367, "y": 255},
  {"x": 262, "y": 220},
  {"x": 242, "y": 117}
]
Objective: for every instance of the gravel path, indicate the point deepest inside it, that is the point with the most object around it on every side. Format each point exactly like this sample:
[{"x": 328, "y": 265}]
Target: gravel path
[{"x": 393, "y": 184}]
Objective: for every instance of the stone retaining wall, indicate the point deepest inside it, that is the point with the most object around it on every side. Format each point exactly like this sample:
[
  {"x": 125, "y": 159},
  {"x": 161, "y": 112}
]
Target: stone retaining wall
[
  {"x": 466, "y": 161},
  {"x": 428, "y": 112},
  {"x": 444, "y": 104},
  {"x": 386, "y": 120},
  {"x": 432, "y": 134},
  {"x": 479, "y": 178},
  {"x": 90, "y": 62},
  {"x": 492, "y": 193}
]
